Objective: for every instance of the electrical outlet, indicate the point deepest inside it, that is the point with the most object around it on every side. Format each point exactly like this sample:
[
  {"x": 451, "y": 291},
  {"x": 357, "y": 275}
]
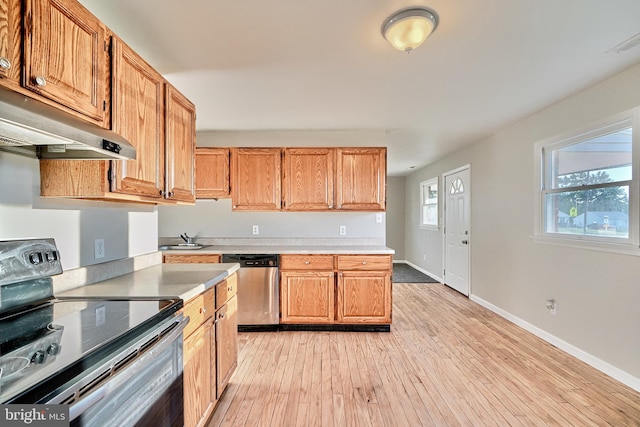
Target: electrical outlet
[
  {"x": 343, "y": 230},
  {"x": 256, "y": 229},
  {"x": 98, "y": 249},
  {"x": 101, "y": 315},
  {"x": 552, "y": 306},
  {"x": 379, "y": 218}
]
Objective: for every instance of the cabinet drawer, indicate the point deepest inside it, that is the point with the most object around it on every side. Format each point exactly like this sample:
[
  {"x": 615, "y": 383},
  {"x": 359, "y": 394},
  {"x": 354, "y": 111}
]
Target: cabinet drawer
[
  {"x": 306, "y": 262},
  {"x": 191, "y": 259},
  {"x": 199, "y": 309},
  {"x": 364, "y": 262},
  {"x": 226, "y": 290}
]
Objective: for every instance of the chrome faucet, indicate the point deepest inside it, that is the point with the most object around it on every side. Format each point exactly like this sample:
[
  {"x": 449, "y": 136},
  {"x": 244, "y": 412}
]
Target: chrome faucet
[{"x": 187, "y": 239}]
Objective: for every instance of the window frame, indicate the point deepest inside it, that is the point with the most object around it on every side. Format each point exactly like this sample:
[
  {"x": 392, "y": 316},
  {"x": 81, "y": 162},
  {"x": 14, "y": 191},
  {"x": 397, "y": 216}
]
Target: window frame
[
  {"x": 629, "y": 245},
  {"x": 424, "y": 185}
]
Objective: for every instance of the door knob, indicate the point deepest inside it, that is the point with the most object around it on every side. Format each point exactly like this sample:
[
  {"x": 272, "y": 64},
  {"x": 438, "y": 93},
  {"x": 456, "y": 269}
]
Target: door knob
[{"x": 465, "y": 242}]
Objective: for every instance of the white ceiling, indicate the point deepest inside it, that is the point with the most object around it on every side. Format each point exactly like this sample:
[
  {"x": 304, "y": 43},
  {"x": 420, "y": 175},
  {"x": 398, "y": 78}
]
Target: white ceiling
[{"x": 323, "y": 65}]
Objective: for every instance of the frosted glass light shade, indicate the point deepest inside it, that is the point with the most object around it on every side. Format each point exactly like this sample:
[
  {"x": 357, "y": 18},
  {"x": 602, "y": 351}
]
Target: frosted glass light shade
[{"x": 409, "y": 28}]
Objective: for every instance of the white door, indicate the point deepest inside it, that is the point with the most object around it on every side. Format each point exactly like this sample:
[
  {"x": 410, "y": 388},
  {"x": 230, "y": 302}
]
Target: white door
[{"x": 457, "y": 237}]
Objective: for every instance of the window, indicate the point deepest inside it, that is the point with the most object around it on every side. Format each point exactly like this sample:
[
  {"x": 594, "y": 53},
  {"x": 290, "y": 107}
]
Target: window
[
  {"x": 588, "y": 192},
  {"x": 429, "y": 204}
]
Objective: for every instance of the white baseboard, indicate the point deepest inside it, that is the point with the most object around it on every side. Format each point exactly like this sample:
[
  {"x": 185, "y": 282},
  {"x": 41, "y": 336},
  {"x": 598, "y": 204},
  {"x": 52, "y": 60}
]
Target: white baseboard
[
  {"x": 589, "y": 359},
  {"x": 422, "y": 270}
]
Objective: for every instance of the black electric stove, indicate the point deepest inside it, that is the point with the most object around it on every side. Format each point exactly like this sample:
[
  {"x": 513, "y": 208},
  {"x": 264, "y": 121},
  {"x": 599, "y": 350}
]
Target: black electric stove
[{"x": 47, "y": 343}]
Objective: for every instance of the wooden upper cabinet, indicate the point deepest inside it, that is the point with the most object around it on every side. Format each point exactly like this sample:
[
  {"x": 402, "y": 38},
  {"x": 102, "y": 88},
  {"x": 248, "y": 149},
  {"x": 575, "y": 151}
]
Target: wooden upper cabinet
[
  {"x": 65, "y": 56},
  {"x": 10, "y": 43},
  {"x": 307, "y": 179},
  {"x": 361, "y": 179},
  {"x": 212, "y": 172},
  {"x": 180, "y": 119},
  {"x": 255, "y": 178},
  {"x": 138, "y": 115}
]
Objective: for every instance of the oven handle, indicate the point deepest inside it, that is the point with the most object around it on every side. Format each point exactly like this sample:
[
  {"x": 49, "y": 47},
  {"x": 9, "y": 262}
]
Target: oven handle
[{"x": 81, "y": 406}]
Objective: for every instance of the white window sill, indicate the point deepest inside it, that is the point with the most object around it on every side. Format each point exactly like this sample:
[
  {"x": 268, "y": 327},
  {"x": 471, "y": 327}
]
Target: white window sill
[{"x": 577, "y": 243}]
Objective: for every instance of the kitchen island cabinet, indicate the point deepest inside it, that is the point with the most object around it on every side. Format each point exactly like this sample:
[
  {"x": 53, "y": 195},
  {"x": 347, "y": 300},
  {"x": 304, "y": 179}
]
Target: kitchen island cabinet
[
  {"x": 356, "y": 292},
  {"x": 307, "y": 287}
]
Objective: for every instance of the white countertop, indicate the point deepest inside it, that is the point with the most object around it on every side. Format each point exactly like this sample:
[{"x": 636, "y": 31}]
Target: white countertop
[{"x": 184, "y": 281}]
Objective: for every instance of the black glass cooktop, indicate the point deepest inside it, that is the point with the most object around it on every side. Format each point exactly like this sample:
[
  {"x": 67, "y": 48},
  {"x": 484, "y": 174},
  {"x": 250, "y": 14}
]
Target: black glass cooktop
[{"x": 42, "y": 347}]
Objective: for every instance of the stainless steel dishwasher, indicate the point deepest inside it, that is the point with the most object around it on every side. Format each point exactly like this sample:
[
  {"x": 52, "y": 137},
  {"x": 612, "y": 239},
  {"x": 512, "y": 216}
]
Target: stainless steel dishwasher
[{"x": 258, "y": 291}]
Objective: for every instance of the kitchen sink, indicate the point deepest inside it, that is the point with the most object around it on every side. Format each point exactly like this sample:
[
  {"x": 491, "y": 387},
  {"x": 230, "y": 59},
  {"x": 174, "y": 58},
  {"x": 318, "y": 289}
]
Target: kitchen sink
[{"x": 182, "y": 246}]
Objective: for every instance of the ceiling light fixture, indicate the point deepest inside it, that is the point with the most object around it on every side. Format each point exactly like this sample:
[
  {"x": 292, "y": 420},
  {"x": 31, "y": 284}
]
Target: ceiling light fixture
[{"x": 408, "y": 28}]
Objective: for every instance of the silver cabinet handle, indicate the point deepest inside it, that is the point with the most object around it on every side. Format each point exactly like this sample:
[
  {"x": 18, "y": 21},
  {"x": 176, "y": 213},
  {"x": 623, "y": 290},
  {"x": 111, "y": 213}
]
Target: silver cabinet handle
[
  {"x": 307, "y": 262},
  {"x": 40, "y": 81},
  {"x": 5, "y": 64},
  {"x": 364, "y": 262}
]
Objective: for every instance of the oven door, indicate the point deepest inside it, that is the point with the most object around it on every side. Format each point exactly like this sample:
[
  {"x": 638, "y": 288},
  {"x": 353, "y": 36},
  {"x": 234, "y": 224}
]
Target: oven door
[{"x": 148, "y": 390}]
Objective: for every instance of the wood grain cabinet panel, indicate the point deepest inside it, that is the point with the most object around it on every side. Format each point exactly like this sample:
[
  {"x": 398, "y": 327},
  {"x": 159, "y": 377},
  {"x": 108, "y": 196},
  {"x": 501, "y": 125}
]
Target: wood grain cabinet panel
[
  {"x": 307, "y": 179},
  {"x": 306, "y": 262},
  {"x": 256, "y": 182},
  {"x": 65, "y": 56},
  {"x": 10, "y": 43},
  {"x": 361, "y": 179},
  {"x": 364, "y": 297},
  {"x": 180, "y": 145},
  {"x": 191, "y": 259},
  {"x": 307, "y": 297},
  {"x": 138, "y": 115},
  {"x": 226, "y": 345},
  {"x": 199, "y": 389},
  {"x": 212, "y": 173},
  {"x": 365, "y": 262}
]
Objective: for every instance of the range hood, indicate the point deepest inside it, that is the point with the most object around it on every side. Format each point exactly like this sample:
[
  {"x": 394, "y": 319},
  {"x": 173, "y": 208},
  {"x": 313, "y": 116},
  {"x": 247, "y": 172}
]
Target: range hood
[{"x": 29, "y": 127}]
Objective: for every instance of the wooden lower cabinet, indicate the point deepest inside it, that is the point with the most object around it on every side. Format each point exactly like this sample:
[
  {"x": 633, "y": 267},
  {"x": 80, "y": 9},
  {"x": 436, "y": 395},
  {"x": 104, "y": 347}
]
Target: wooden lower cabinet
[
  {"x": 210, "y": 349},
  {"x": 307, "y": 297},
  {"x": 199, "y": 390},
  {"x": 335, "y": 289},
  {"x": 226, "y": 332},
  {"x": 364, "y": 297},
  {"x": 199, "y": 363}
]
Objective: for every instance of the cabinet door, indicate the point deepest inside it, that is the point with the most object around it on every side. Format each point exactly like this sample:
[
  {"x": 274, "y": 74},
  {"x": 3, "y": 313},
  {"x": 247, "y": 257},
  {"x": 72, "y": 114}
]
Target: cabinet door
[
  {"x": 212, "y": 172},
  {"x": 198, "y": 376},
  {"x": 255, "y": 178},
  {"x": 180, "y": 116},
  {"x": 138, "y": 115},
  {"x": 226, "y": 343},
  {"x": 307, "y": 297},
  {"x": 364, "y": 297},
  {"x": 361, "y": 179},
  {"x": 308, "y": 179},
  {"x": 10, "y": 43},
  {"x": 65, "y": 56}
]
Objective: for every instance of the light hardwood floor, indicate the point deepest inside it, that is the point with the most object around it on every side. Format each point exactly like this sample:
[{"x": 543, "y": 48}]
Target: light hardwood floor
[{"x": 446, "y": 362}]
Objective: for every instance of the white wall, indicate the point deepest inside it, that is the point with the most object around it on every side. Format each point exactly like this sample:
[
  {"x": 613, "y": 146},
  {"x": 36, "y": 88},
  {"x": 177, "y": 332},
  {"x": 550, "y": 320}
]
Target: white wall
[
  {"x": 215, "y": 219},
  {"x": 128, "y": 230},
  {"x": 395, "y": 231},
  {"x": 597, "y": 293}
]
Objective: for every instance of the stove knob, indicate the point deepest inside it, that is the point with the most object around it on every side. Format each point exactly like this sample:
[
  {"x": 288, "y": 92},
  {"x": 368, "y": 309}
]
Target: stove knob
[
  {"x": 53, "y": 349},
  {"x": 38, "y": 357}
]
